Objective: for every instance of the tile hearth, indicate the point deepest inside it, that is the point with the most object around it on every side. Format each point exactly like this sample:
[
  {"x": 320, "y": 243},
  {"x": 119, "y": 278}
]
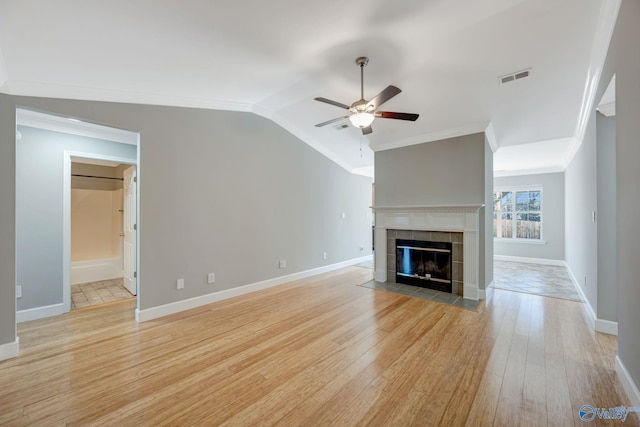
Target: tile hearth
[{"x": 424, "y": 293}]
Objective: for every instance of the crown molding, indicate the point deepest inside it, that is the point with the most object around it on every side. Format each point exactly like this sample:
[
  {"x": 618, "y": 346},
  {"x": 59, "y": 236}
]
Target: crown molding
[
  {"x": 491, "y": 137},
  {"x": 367, "y": 171},
  {"x": 532, "y": 171},
  {"x": 428, "y": 209},
  {"x": 74, "y": 126},
  {"x": 603, "y": 33},
  {"x": 607, "y": 110},
  {"x": 430, "y": 137}
]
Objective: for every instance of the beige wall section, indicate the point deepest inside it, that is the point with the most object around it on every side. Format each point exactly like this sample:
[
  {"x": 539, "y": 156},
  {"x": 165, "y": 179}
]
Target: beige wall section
[
  {"x": 116, "y": 221},
  {"x": 95, "y": 224},
  {"x": 96, "y": 170}
]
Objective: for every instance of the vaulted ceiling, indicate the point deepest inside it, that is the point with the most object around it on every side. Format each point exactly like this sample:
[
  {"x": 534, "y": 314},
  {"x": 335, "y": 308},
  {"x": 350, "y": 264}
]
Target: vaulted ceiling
[{"x": 273, "y": 58}]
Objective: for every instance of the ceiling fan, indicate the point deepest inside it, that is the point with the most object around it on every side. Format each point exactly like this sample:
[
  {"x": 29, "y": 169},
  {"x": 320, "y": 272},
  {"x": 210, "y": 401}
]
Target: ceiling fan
[{"x": 363, "y": 112}]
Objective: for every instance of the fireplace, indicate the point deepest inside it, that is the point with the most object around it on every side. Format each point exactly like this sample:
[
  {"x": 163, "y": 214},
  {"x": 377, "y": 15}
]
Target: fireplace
[
  {"x": 455, "y": 224},
  {"x": 424, "y": 263}
]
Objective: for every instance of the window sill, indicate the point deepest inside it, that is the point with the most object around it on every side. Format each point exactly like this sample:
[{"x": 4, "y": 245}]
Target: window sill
[{"x": 525, "y": 241}]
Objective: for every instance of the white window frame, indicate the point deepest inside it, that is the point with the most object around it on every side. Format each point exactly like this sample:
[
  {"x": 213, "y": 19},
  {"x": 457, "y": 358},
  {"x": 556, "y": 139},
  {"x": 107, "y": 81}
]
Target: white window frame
[{"x": 515, "y": 189}]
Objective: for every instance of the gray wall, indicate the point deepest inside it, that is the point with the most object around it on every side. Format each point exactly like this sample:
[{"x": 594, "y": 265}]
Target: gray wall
[
  {"x": 627, "y": 68},
  {"x": 606, "y": 221},
  {"x": 224, "y": 192},
  {"x": 7, "y": 220},
  {"x": 447, "y": 172},
  {"x": 552, "y": 217},
  {"x": 39, "y": 184},
  {"x": 584, "y": 250},
  {"x": 580, "y": 230}
]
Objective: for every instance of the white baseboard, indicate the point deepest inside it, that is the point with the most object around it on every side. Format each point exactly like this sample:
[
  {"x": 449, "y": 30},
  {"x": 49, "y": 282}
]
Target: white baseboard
[
  {"x": 470, "y": 292},
  {"x": 527, "y": 260},
  {"x": 599, "y": 325},
  {"x": 587, "y": 304},
  {"x": 39, "y": 312},
  {"x": 606, "y": 326},
  {"x": 187, "y": 304},
  {"x": 482, "y": 293},
  {"x": 95, "y": 270},
  {"x": 10, "y": 349},
  {"x": 627, "y": 382}
]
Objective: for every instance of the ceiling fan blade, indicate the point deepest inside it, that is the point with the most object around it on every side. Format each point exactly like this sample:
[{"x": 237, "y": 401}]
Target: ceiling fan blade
[
  {"x": 336, "y": 103},
  {"x": 328, "y": 122},
  {"x": 383, "y": 97},
  {"x": 398, "y": 116},
  {"x": 367, "y": 130}
]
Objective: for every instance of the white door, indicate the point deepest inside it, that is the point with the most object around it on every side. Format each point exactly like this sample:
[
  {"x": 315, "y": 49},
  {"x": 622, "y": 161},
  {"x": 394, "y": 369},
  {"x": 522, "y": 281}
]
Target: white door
[{"x": 130, "y": 226}]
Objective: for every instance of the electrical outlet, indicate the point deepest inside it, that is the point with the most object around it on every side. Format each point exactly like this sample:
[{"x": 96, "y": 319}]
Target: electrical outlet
[
  {"x": 211, "y": 278},
  {"x": 180, "y": 284},
  {"x": 18, "y": 291},
  {"x": 324, "y": 255},
  {"x": 282, "y": 263}
]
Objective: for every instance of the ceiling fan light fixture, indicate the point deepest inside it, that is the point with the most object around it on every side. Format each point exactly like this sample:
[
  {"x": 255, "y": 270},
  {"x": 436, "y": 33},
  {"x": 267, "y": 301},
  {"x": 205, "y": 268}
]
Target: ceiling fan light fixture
[
  {"x": 361, "y": 120},
  {"x": 363, "y": 111}
]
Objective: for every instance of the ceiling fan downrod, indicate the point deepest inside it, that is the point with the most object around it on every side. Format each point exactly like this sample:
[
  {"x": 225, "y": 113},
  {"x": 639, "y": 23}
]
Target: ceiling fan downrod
[{"x": 362, "y": 61}]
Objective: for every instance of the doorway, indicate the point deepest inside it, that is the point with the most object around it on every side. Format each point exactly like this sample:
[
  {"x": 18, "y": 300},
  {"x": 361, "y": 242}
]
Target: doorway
[
  {"x": 103, "y": 240},
  {"x": 46, "y": 146}
]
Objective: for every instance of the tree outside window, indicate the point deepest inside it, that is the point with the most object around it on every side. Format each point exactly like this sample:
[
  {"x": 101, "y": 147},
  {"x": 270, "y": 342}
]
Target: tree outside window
[{"x": 517, "y": 214}]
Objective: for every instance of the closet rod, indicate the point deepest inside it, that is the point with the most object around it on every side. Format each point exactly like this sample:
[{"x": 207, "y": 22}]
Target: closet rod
[{"x": 94, "y": 176}]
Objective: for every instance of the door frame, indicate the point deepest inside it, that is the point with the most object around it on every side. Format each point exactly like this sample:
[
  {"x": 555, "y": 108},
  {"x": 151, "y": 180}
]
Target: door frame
[
  {"x": 66, "y": 219},
  {"x": 130, "y": 178}
]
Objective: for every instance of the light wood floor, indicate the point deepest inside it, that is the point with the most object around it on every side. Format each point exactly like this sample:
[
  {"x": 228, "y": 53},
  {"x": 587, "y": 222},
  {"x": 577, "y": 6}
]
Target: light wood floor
[{"x": 321, "y": 351}]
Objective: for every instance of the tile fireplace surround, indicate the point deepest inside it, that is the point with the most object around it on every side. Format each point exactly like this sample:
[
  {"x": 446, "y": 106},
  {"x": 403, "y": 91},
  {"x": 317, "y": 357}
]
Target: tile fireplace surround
[{"x": 464, "y": 219}]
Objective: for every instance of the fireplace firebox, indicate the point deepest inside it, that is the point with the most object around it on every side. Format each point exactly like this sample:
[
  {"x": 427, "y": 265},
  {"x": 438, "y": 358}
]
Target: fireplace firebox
[{"x": 425, "y": 264}]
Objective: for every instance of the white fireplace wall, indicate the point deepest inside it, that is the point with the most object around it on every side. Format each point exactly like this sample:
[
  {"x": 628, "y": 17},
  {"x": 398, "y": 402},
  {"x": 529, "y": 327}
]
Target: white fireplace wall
[{"x": 486, "y": 218}]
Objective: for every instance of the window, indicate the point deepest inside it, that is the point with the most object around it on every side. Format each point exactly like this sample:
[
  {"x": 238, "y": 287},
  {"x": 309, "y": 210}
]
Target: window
[{"x": 517, "y": 214}]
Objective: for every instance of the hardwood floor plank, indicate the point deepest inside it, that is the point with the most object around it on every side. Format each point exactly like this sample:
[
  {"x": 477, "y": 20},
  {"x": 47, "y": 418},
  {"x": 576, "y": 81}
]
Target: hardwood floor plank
[
  {"x": 317, "y": 351},
  {"x": 483, "y": 408}
]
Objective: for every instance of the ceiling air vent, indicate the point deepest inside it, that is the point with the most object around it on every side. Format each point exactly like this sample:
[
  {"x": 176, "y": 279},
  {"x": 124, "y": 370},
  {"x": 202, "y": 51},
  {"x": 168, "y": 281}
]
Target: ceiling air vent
[
  {"x": 514, "y": 76},
  {"x": 341, "y": 126}
]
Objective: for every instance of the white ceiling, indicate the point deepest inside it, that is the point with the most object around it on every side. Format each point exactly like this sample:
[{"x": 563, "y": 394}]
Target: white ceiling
[{"x": 274, "y": 57}]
